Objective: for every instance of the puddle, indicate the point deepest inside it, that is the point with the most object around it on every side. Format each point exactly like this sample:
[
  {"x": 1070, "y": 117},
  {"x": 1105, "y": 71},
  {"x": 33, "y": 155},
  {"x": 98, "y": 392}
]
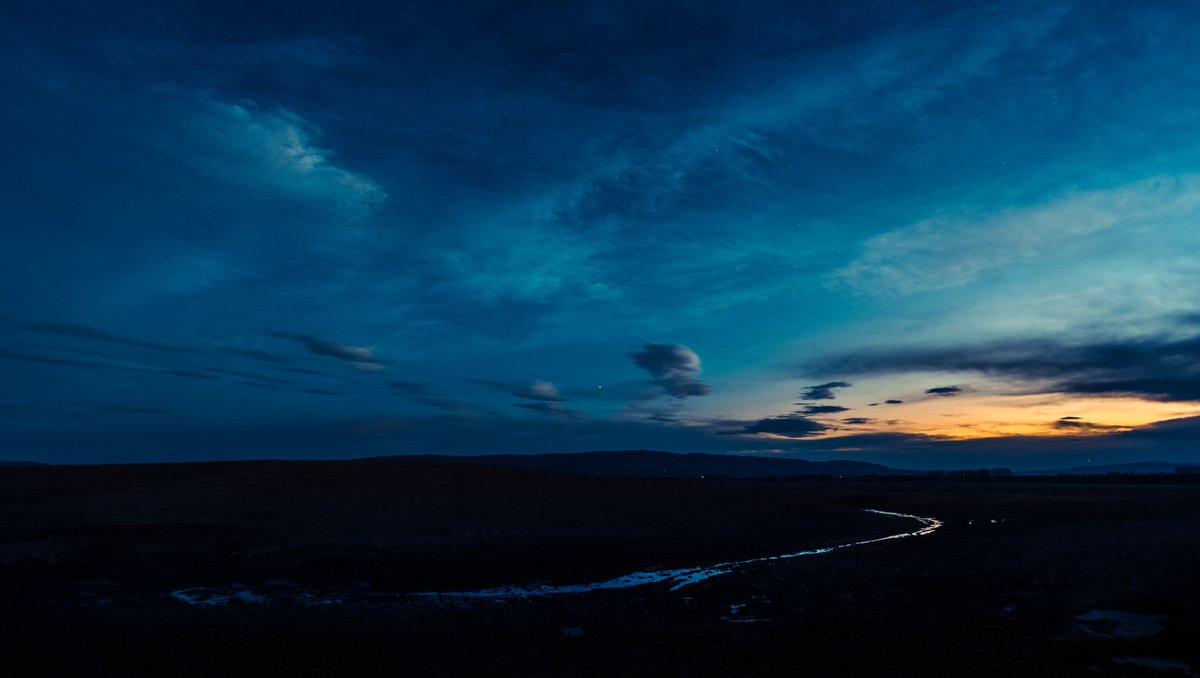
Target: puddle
[
  {"x": 211, "y": 596},
  {"x": 1171, "y": 665},
  {"x": 273, "y": 591},
  {"x": 743, "y": 613},
  {"x": 1120, "y": 624}
]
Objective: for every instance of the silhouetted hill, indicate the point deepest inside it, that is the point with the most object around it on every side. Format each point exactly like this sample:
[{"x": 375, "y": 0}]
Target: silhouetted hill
[
  {"x": 21, "y": 463},
  {"x": 648, "y": 463},
  {"x": 1137, "y": 467},
  {"x": 400, "y": 524}
]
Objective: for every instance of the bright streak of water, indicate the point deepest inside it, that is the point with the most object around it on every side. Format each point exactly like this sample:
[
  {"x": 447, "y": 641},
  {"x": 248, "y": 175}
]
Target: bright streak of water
[{"x": 680, "y": 578}]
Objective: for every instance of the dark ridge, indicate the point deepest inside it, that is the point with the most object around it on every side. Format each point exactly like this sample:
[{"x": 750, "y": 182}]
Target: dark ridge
[
  {"x": 650, "y": 463},
  {"x": 399, "y": 525},
  {"x": 1141, "y": 467}
]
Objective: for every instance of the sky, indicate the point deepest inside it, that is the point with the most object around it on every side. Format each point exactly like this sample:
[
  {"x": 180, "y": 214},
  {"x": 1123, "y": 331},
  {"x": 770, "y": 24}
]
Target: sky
[{"x": 929, "y": 235}]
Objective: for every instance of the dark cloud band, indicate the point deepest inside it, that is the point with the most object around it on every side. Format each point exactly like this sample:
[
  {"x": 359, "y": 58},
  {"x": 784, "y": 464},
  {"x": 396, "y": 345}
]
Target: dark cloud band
[{"x": 674, "y": 367}]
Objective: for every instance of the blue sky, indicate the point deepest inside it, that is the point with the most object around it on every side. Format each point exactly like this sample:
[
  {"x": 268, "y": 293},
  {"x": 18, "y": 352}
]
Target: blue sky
[{"x": 265, "y": 230}]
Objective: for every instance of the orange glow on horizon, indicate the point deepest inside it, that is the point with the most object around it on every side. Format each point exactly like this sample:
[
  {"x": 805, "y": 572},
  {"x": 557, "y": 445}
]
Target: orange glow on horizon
[{"x": 982, "y": 416}]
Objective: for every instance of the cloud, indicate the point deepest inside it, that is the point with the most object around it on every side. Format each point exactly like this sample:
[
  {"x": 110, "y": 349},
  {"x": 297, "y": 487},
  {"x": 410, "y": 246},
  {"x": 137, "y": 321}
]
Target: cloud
[
  {"x": 944, "y": 391},
  {"x": 447, "y": 404},
  {"x": 822, "y": 409},
  {"x": 789, "y": 426},
  {"x": 1162, "y": 388},
  {"x": 412, "y": 388},
  {"x": 893, "y": 402},
  {"x": 950, "y": 251},
  {"x": 292, "y": 60},
  {"x": 191, "y": 374},
  {"x": 93, "y": 334},
  {"x": 427, "y": 394},
  {"x": 736, "y": 146},
  {"x": 534, "y": 390},
  {"x": 675, "y": 368},
  {"x": 27, "y": 408},
  {"x": 618, "y": 237},
  {"x": 552, "y": 409},
  {"x": 823, "y": 391},
  {"x": 66, "y": 362},
  {"x": 264, "y": 356},
  {"x": 1163, "y": 369},
  {"x": 272, "y": 151},
  {"x": 536, "y": 261},
  {"x": 856, "y": 421},
  {"x": 357, "y": 357},
  {"x": 538, "y": 390},
  {"x": 305, "y": 370},
  {"x": 255, "y": 384},
  {"x": 1185, "y": 430},
  {"x": 23, "y": 411},
  {"x": 121, "y": 409},
  {"x": 1078, "y": 425},
  {"x": 201, "y": 374},
  {"x": 249, "y": 375}
]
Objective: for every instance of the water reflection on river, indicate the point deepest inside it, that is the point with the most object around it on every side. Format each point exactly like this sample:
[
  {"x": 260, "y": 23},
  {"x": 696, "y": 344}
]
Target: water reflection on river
[
  {"x": 682, "y": 577},
  {"x": 677, "y": 578}
]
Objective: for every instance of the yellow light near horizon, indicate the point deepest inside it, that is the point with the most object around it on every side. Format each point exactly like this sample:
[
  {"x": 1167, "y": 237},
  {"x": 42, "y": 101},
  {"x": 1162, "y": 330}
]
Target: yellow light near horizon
[{"x": 986, "y": 416}]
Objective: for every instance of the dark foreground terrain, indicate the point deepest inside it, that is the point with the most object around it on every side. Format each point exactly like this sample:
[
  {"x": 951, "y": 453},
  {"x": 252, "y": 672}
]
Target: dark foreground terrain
[{"x": 309, "y": 568}]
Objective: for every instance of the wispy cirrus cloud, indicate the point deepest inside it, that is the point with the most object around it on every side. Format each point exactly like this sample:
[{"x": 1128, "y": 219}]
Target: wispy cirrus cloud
[
  {"x": 552, "y": 408},
  {"x": 249, "y": 375},
  {"x": 272, "y": 150},
  {"x": 358, "y": 357},
  {"x": 97, "y": 335},
  {"x": 949, "y": 251},
  {"x": 223, "y": 183},
  {"x": 193, "y": 374},
  {"x": 38, "y": 358},
  {"x": 533, "y": 390},
  {"x": 424, "y": 393},
  {"x": 265, "y": 356},
  {"x": 1159, "y": 368},
  {"x": 718, "y": 152},
  {"x": 109, "y": 408}
]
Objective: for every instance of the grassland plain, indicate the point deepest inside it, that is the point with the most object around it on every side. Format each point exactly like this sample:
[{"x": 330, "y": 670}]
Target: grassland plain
[{"x": 326, "y": 553}]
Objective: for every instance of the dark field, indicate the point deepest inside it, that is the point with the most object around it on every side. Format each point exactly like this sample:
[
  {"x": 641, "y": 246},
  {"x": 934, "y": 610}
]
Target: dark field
[{"x": 325, "y": 553}]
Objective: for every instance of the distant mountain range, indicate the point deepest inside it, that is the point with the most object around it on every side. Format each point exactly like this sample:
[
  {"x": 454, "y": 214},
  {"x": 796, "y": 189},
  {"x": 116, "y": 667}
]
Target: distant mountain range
[
  {"x": 647, "y": 463},
  {"x": 1103, "y": 469},
  {"x": 651, "y": 463}
]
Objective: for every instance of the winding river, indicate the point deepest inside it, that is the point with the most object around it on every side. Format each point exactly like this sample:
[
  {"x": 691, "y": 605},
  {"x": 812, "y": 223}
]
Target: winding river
[{"x": 679, "y": 578}]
